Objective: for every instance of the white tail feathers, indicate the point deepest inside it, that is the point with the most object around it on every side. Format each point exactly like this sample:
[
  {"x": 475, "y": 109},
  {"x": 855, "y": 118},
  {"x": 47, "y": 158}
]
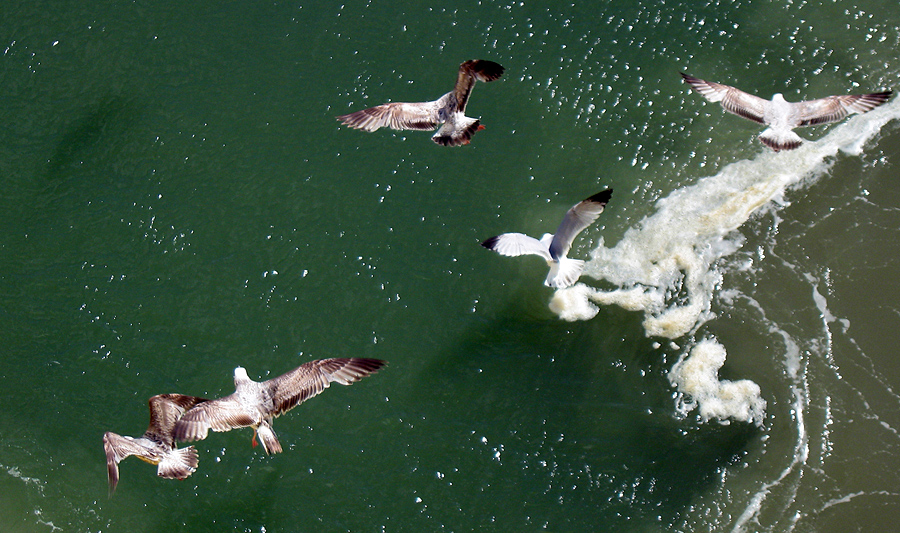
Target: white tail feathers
[
  {"x": 563, "y": 273},
  {"x": 178, "y": 463},
  {"x": 778, "y": 140},
  {"x": 268, "y": 439}
]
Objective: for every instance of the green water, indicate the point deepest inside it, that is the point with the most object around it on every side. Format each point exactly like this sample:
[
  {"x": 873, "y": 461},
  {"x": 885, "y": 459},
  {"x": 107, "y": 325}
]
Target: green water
[{"x": 178, "y": 200}]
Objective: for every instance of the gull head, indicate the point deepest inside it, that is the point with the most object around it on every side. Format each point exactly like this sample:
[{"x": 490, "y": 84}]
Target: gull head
[
  {"x": 778, "y": 97},
  {"x": 240, "y": 374}
]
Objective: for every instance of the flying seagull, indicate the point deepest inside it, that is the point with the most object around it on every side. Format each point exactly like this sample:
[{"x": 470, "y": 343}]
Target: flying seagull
[
  {"x": 256, "y": 404},
  {"x": 553, "y": 248},
  {"x": 782, "y": 116},
  {"x": 448, "y": 110},
  {"x": 157, "y": 445}
]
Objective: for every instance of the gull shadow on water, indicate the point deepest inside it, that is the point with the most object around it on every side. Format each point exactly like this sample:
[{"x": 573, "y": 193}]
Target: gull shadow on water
[
  {"x": 101, "y": 129},
  {"x": 67, "y": 209},
  {"x": 581, "y": 416},
  {"x": 83, "y": 173}
]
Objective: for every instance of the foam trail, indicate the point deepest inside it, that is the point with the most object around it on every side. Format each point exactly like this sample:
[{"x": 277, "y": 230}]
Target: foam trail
[
  {"x": 675, "y": 249},
  {"x": 666, "y": 265}
]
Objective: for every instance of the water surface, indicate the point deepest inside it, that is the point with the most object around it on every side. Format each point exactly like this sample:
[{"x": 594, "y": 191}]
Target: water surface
[{"x": 179, "y": 200}]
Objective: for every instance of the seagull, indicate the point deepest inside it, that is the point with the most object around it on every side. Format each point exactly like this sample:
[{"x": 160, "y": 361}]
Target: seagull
[
  {"x": 157, "y": 445},
  {"x": 256, "y": 404},
  {"x": 782, "y": 116},
  {"x": 448, "y": 110},
  {"x": 553, "y": 248}
]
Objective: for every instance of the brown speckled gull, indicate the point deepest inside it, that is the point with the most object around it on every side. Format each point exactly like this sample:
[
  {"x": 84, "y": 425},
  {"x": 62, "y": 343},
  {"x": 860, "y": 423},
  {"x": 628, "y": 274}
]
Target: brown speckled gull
[
  {"x": 448, "y": 110},
  {"x": 256, "y": 404}
]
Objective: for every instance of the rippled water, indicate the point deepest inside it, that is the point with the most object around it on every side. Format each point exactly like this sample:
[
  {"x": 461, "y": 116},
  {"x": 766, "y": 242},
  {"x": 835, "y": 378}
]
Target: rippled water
[{"x": 179, "y": 200}]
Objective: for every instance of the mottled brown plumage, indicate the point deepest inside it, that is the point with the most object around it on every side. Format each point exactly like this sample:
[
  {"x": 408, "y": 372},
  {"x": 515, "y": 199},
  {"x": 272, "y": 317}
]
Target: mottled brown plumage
[
  {"x": 448, "y": 110},
  {"x": 256, "y": 404},
  {"x": 157, "y": 445}
]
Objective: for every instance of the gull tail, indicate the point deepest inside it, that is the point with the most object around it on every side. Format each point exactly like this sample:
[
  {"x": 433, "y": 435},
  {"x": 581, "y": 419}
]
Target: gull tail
[
  {"x": 178, "y": 463},
  {"x": 457, "y": 132},
  {"x": 268, "y": 439},
  {"x": 780, "y": 139},
  {"x": 563, "y": 273}
]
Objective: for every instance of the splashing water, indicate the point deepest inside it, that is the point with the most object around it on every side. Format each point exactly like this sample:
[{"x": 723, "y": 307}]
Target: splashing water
[
  {"x": 696, "y": 377},
  {"x": 667, "y": 266}
]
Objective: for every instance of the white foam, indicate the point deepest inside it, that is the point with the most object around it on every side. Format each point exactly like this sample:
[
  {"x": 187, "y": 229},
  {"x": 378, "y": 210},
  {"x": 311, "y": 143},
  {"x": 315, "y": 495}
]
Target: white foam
[
  {"x": 573, "y": 303},
  {"x": 14, "y": 472},
  {"x": 696, "y": 377},
  {"x": 667, "y": 266}
]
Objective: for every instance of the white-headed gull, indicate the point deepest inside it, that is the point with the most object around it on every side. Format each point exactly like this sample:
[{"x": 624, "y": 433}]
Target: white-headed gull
[
  {"x": 553, "y": 248},
  {"x": 782, "y": 116}
]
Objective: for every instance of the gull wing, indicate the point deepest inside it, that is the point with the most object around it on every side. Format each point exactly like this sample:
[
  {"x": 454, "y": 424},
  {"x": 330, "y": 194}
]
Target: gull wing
[
  {"x": 165, "y": 410},
  {"x": 733, "y": 100},
  {"x": 470, "y": 72},
  {"x": 310, "y": 379},
  {"x": 834, "y": 108},
  {"x": 172, "y": 463},
  {"x": 580, "y": 216},
  {"x": 117, "y": 448},
  {"x": 223, "y": 414},
  {"x": 515, "y": 244},
  {"x": 396, "y": 115}
]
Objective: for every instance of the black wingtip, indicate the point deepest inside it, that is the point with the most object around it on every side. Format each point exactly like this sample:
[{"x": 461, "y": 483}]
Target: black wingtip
[
  {"x": 601, "y": 197},
  {"x": 368, "y": 364},
  {"x": 490, "y": 243},
  {"x": 483, "y": 69},
  {"x": 690, "y": 79}
]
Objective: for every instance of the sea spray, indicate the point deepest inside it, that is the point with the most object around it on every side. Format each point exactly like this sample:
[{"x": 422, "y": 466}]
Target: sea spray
[{"x": 667, "y": 266}]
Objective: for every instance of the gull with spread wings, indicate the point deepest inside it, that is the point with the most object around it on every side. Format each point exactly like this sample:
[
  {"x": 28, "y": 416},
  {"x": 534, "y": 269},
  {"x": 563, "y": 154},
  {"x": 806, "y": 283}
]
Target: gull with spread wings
[
  {"x": 553, "y": 248},
  {"x": 782, "y": 116},
  {"x": 448, "y": 110},
  {"x": 157, "y": 445},
  {"x": 256, "y": 404}
]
